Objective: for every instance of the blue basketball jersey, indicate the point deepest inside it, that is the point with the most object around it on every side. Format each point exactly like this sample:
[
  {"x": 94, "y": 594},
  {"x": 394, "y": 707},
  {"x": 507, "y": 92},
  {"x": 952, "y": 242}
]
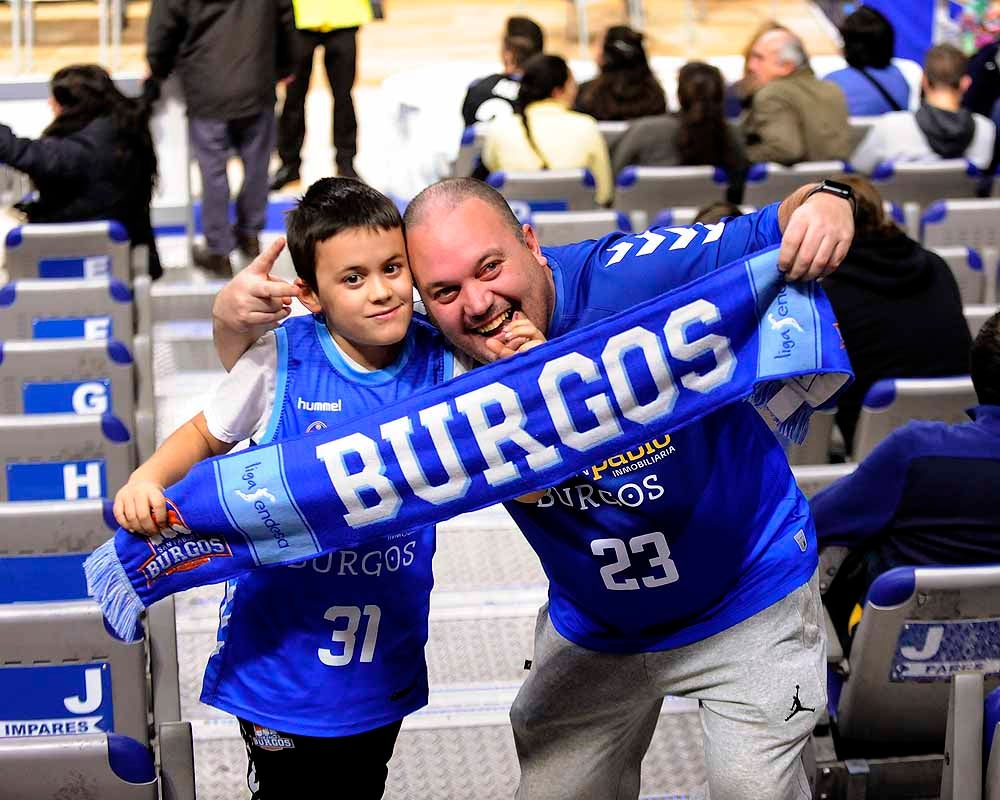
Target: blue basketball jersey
[
  {"x": 694, "y": 530},
  {"x": 333, "y": 646}
]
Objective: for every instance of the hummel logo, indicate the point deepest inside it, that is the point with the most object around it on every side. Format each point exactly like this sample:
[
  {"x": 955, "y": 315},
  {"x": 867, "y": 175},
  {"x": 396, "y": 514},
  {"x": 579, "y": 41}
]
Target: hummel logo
[
  {"x": 786, "y": 322},
  {"x": 256, "y": 495},
  {"x": 318, "y": 405},
  {"x": 797, "y": 705}
]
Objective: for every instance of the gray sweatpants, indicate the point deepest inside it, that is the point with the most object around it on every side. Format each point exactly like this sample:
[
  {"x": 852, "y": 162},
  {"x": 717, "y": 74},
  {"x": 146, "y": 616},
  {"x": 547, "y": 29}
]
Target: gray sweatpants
[{"x": 583, "y": 720}]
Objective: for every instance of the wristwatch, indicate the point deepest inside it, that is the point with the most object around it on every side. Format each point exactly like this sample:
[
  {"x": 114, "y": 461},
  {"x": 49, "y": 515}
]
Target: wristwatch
[{"x": 837, "y": 189}]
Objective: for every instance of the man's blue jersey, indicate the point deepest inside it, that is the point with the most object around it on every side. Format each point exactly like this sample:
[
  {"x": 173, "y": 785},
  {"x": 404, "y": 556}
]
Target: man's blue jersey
[
  {"x": 333, "y": 646},
  {"x": 695, "y": 530}
]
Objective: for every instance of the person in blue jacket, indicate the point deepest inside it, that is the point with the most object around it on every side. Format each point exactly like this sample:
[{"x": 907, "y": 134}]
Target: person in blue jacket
[
  {"x": 925, "y": 495},
  {"x": 685, "y": 567}
]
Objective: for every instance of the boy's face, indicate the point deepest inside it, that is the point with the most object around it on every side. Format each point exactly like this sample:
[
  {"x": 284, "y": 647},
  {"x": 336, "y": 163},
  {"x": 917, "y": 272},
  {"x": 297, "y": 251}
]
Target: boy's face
[{"x": 364, "y": 291}]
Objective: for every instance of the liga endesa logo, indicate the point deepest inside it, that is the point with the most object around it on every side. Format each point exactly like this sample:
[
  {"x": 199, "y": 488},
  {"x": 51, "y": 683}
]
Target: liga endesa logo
[{"x": 176, "y": 549}]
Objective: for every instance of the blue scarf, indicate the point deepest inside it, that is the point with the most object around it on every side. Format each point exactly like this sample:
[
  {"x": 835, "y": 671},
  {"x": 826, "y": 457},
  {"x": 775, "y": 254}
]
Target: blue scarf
[{"x": 521, "y": 424}]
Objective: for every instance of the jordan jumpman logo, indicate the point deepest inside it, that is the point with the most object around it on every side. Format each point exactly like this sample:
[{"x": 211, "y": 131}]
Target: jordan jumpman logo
[{"x": 797, "y": 705}]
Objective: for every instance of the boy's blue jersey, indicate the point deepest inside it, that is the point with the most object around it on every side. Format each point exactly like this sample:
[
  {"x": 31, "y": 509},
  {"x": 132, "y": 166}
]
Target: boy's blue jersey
[
  {"x": 697, "y": 529},
  {"x": 333, "y": 646}
]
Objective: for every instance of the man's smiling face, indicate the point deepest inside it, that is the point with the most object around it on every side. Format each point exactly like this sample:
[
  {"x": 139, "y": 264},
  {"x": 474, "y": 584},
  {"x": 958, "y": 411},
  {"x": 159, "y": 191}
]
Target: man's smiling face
[{"x": 475, "y": 274}]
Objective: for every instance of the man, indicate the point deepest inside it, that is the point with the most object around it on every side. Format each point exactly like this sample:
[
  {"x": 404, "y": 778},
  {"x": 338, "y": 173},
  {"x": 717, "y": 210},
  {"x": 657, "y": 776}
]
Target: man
[
  {"x": 939, "y": 129},
  {"x": 494, "y": 95},
  {"x": 229, "y": 55},
  {"x": 793, "y": 117},
  {"x": 685, "y": 576},
  {"x": 334, "y": 27},
  {"x": 926, "y": 495}
]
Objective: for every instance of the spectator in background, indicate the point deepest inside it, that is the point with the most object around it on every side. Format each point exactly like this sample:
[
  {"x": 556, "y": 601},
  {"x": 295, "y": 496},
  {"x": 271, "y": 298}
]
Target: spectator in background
[
  {"x": 898, "y": 306},
  {"x": 95, "y": 160},
  {"x": 871, "y": 83},
  {"x": 495, "y": 95},
  {"x": 793, "y": 116},
  {"x": 544, "y": 133},
  {"x": 926, "y": 495},
  {"x": 740, "y": 92},
  {"x": 714, "y": 213},
  {"x": 229, "y": 56},
  {"x": 625, "y": 88},
  {"x": 984, "y": 80},
  {"x": 939, "y": 129},
  {"x": 697, "y": 134},
  {"x": 334, "y": 27}
]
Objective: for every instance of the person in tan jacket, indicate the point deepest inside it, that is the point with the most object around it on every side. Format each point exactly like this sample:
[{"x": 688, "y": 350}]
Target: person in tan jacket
[{"x": 794, "y": 116}]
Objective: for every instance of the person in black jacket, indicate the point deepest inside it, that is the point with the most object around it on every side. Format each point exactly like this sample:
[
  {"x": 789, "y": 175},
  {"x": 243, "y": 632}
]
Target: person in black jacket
[
  {"x": 230, "y": 54},
  {"x": 95, "y": 160},
  {"x": 897, "y": 305},
  {"x": 626, "y": 87}
]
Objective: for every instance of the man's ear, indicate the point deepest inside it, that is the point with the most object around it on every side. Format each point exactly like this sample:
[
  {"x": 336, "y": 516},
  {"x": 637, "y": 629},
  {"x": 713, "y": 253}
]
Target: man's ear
[
  {"x": 531, "y": 242},
  {"x": 308, "y": 297},
  {"x": 964, "y": 83}
]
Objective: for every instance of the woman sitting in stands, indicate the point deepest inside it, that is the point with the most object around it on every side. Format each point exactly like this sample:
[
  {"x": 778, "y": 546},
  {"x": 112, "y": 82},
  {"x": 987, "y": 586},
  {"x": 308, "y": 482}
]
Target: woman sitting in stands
[
  {"x": 697, "y": 135},
  {"x": 626, "y": 87},
  {"x": 544, "y": 133},
  {"x": 95, "y": 160},
  {"x": 897, "y": 305}
]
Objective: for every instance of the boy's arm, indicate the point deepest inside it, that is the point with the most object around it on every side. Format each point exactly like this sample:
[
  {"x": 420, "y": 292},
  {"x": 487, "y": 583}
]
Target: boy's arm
[
  {"x": 140, "y": 505},
  {"x": 250, "y": 305}
]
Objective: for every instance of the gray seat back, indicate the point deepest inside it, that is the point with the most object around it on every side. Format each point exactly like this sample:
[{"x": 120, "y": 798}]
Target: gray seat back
[
  {"x": 976, "y": 316},
  {"x": 969, "y": 266},
  {"x": 613, "y": 131},
  {"x": 37, "y": 309},
  {"x": 650, "y": 189},
  {"x": 920, "y": 625},
  {"x": 469, "y": 150},
  {"x": 100, "y": 766},
  {"x": 772, "y": 183},
  {"x": 891, "y": 403},
  {"x": 63, "y": 456},
  {"x": 991, "y": 745},
  {"x": 961, "y": 223},
  {"x": 62, "y": 672},
  {"x": 547, "y": 189},
  {"x": 69, "y": 250},
  {"x": 67, "y": 376},
  {"x": 811, "y": 478},
  {"x": 565, "y": 227},
  {"x": 816, "y": 448},
  {"x": 925, "y": 183}
]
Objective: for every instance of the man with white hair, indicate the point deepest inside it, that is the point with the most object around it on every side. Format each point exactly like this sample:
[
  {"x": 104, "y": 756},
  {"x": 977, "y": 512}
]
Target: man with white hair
[{"x": 794, "y": 117}]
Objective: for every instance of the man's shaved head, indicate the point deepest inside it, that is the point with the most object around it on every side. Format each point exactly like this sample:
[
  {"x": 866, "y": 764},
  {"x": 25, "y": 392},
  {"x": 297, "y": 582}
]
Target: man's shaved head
[{"x": 451, "y": 192}]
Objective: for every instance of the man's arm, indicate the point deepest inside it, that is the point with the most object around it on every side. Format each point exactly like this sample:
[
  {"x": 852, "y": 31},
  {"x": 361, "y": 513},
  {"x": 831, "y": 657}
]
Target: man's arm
[
  {"x": 250, "y": 305},
  {"x": 816, "y": 233},
  {"x": 165, "y": 31}
]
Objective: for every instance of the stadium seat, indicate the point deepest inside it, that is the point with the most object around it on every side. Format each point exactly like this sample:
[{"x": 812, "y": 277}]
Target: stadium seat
[
  {"x": 63, "y": 672},
  {"x": 651, "y": 189},
  {"x": 813, "y": 477},
  {"x": 547, "y": 189},
  {"x": 816, "y": 448},
  {"x": 977, "y": 315},
  {"x": 105, "y": 766},
  {"x": 68, "y": 376},
  {"x": 469, "y": 150},
  {"x": 63, "y": 456},
  {"x": 991, "y": 745},
  {"x": 913, "y": 683},
  {"x": 613, "y": 131},
  {"x": 925, "y": 183},
  {"x": 859, "y": 129},
  {"x": 891, "y": 403},
  {"x": 31, "y": 309},
  {"x": 772, "y": 183},
  {"x": 69, "y": 250},
  {"x": 969, "y": 267},
  {"x": 565, "y": 227},
  {"x": 961, "y": 223}
]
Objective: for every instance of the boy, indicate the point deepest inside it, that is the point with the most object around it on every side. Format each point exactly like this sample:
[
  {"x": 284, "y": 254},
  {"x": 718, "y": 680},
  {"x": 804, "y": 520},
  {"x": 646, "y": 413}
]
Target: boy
[{"x": 319, "y": 660}]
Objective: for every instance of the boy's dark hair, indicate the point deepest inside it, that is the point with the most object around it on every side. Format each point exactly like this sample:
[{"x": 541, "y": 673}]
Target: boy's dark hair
[
  {"x": 869, "y": 39},
  {"x": 944, "y": 66},
  {"x": 331, "y": 206},
  {"x": 984, "y": 363},
  {"x": 525, "y": 28}
]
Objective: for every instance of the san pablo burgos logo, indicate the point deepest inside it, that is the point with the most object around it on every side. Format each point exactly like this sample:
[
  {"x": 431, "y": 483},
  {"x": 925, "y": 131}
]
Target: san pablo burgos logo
[
  {"x": 259, "y": 497},
  {"x": 784, "y": 323},
  {"x": 175, "y": 549}
]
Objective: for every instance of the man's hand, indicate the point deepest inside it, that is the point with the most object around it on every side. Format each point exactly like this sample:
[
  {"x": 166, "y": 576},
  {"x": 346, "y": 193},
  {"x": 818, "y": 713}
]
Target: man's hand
[
  {"x": 817, "y": 234},
  {"x": 251, "y": 304},
  {"x": 521, "y": 335}
]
